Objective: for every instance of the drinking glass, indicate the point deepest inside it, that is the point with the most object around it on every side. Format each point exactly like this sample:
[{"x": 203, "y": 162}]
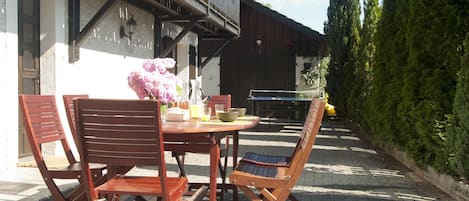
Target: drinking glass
[
  {"x": 207, "y": 113},
  {"x": 219, "y": 108},
  {"x": 183, "y": 104}
]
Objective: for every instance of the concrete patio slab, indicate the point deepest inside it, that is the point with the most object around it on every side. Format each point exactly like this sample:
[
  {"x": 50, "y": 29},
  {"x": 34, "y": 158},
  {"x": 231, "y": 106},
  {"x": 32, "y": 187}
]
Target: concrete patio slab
[{"x": 341, "y": 167}]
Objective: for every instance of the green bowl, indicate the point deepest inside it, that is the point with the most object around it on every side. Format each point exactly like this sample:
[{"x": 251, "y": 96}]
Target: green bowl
[
  {"x": 228, "y": 116},
  {"x": 240, "y": 110}
]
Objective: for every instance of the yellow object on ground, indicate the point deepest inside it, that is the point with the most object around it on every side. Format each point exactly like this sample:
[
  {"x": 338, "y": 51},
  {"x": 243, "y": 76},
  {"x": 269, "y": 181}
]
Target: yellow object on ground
[{"x": 330, "y": 110}]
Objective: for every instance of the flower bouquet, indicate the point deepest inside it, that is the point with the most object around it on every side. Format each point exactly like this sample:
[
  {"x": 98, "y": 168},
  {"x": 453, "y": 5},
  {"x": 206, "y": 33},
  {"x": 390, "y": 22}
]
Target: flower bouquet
[{"x": 154, "y": 81}]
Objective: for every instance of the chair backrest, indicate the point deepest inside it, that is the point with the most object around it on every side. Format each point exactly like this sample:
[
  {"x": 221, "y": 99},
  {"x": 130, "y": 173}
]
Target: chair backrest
[
  {"x": 42, "y": 123},
  {"x": 225, "y": 100},
  {"x": 68, "y": 103},
  {"x": 119, "y": 132},
  {"x": 312, "y": 112},
  {"x": 311, "y": 129}
]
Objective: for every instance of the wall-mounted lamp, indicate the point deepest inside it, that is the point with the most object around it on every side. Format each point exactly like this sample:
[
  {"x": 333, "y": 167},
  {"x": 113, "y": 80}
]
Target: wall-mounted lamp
[
  {"x": 258, "y": 42},
  {"x": 131, "y": 26}
]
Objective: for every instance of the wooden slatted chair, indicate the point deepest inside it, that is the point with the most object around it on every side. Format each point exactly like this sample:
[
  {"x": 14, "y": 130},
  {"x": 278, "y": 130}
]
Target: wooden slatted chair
[
  {"x": 68, "y": 103},
  {"x": 271, "y": 182},
  {"x": 43, "y": 125},
  {"x": 225, "y": 100},
  {"x": 126, "y": 133},
  {"x": 277, "y": 160}
]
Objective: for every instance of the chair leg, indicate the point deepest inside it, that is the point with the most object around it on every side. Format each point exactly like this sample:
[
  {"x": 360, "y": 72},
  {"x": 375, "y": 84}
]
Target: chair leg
[
  {"x": 141, "y": 198},
  {"x": 235, "y": 160},
  {"x": 54, "y": 190},
  {"x": 223, "y": 168},
  {"x": 115, "y": 198},
  {"x": 292, "y": 197},
  {"x": 227, "y": 148},
  {"x": 78, "y": 193},
  {"x": 180, "y": 162},
  {"x": 249, "y": 193}
]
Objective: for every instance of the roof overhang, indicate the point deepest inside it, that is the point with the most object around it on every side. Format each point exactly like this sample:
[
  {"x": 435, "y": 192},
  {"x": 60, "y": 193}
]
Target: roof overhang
[
  {"x": 210, "y": 19},
  {"x": 213, "y": 20}
]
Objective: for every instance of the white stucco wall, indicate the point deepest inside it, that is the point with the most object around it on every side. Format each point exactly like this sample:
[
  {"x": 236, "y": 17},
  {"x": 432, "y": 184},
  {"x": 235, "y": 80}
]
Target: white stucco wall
[
  {"x": 211, "y": 77},
  {"x": 102, "y": 70},
  {"x": 8, "y": 84},
  {"x": 3, "y": 85},
  {"x": 106, "y": 59},
  {"x": 300, "y": 61},
  {"x": 183, "y": 70}
]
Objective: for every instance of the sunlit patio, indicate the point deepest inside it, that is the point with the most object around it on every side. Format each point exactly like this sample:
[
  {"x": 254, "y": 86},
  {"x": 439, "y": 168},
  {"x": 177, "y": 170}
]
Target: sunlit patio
[{"x": 341, "y": 167}]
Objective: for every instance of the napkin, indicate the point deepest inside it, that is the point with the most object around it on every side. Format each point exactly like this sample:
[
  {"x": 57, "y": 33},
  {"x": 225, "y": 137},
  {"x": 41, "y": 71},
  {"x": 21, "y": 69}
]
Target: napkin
[{"x": 177, "y": 114}]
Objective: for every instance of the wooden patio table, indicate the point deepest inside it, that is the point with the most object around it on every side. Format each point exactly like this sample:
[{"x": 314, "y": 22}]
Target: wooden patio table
[
  {"x": 204, "y": 137},
  {"x": 198, "y": 136}
]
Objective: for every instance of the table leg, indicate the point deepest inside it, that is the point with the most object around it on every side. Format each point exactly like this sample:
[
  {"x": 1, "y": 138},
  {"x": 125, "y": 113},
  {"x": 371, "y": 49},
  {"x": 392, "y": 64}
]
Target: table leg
[
  {"x": 235, "y": 148},
  {"x": 214, "y": 160},
  {"x": 235, "y": 160}
]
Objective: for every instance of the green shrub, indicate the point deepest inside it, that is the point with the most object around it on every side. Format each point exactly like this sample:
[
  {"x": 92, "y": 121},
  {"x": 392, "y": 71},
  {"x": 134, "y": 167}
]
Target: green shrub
[{"x": 458, "y": 139}]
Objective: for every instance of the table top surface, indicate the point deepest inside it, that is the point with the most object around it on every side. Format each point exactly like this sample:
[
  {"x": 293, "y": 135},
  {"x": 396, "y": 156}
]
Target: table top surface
[{"x": 211, "y": 126}]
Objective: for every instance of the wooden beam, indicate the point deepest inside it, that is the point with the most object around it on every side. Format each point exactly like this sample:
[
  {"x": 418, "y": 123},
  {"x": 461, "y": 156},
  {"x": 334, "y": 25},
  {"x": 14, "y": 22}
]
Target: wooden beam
[
  {"x": 163, "y": 10},
  {"x": 161, "y": 7},
  {"x": 181, "y": 18},
  {"x": 213, "y": 16},
  {"x": 97, "y": 18},
  {"x": 178, "y": 38},
  {"x": 73, "y": 30},
  {"x": 158, "y": 44},
  {"x": 209, "y": 37},
  {"x": 215, "y": 53}
]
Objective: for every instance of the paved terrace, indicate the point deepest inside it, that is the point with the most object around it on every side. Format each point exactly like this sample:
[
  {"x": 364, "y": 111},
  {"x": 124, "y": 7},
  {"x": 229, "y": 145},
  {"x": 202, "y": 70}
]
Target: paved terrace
[{"x": 341, "y": 167}]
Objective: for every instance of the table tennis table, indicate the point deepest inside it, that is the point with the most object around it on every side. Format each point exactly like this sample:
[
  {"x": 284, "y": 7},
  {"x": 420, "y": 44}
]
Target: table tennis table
[{"x": 278, "y": 99}]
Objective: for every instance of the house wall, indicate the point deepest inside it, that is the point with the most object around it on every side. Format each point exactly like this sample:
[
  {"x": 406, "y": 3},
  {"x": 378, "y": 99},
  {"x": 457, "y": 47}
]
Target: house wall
[
  {"x": 102, "y": 70},
  {"x": 300, "y": 61},
  {"x": 8, "y": 84},
  {"x": 246, "y": 65},
  {"x": 3, "y": 85},
  {"x": 106, "y": 59},
  {"x": 264, "y": 56},
  {"x": 211, "y": 77}
]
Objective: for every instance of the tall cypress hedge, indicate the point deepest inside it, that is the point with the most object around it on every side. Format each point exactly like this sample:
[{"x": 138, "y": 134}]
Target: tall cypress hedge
[
  {"x": 417, "y": 90},
  {"x": 459, "y": 132},
  {"x": 391, "y": 56},
  {"x": 458, "y": 137},
  {"x": 366, "y": 60},
  {"x": 433, "y": 63},
  {"x": 342, "y": 31}
]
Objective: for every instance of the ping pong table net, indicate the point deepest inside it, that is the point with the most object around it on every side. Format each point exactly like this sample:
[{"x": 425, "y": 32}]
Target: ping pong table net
[{"x": 281, "y": 94}]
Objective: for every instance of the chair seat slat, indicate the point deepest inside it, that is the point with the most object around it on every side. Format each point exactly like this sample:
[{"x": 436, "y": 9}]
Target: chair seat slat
[
  {"x": 266, "y": 159},
  {"x": 142, "y": 185}
]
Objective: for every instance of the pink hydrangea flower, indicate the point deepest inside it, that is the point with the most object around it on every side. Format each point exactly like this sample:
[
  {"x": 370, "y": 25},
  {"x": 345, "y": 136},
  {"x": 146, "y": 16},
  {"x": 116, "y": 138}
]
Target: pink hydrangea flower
[{"x": 154, "y": 79}]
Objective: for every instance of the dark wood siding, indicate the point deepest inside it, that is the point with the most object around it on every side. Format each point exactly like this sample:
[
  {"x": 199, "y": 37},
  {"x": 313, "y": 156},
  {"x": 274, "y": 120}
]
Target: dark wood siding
[
  {"x": 271, "y": 65},
  {"x": 245, "y": 65}
]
